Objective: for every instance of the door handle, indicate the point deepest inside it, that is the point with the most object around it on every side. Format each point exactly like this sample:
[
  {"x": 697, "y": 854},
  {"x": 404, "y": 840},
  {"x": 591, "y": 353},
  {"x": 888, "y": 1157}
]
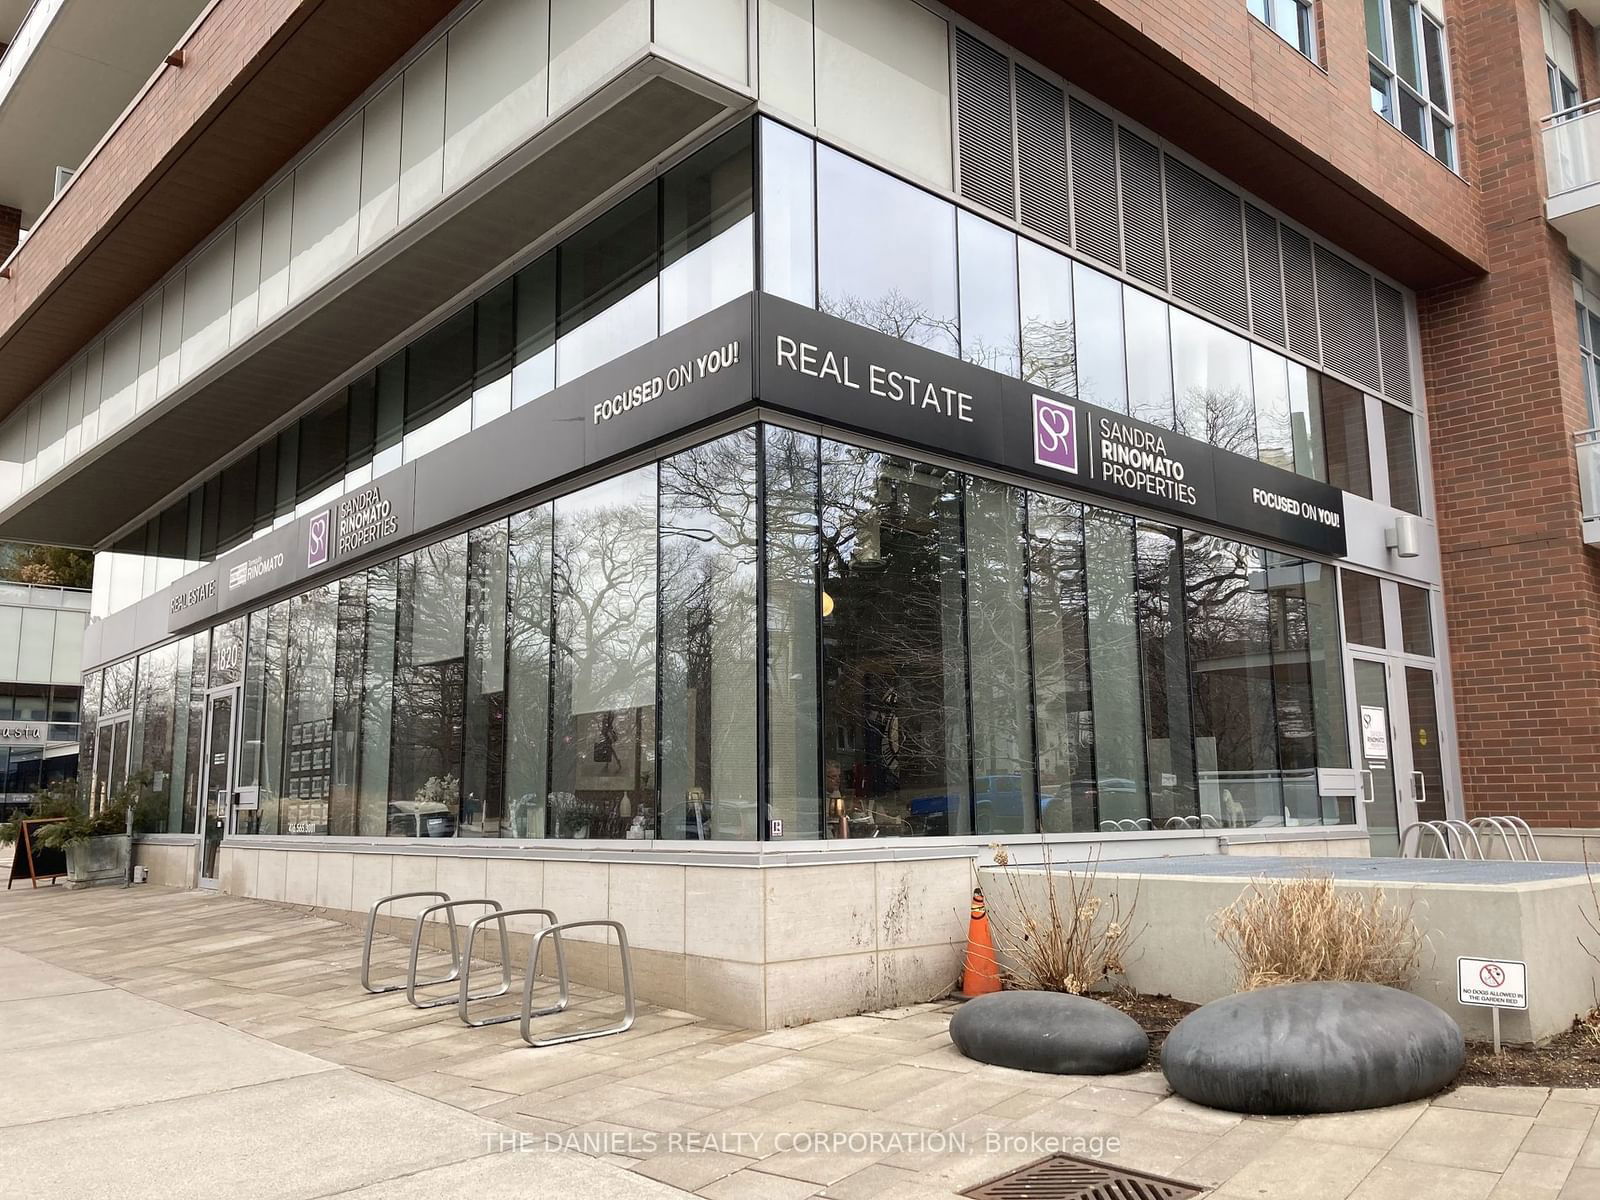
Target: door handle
[
  {"x": 1372, "y": 787},
  {"x": 1422, "y": 787}
]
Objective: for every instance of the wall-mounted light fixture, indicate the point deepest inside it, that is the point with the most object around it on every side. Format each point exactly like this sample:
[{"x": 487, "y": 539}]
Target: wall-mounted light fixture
[{"x": 1404, "y": 537}]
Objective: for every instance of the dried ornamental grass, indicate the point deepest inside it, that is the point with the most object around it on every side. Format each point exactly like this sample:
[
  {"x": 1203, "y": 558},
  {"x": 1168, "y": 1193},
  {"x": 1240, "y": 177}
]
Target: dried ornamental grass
[
  {"x": 1072, "y": 942},
  {"x": 1298, "y": 930}
]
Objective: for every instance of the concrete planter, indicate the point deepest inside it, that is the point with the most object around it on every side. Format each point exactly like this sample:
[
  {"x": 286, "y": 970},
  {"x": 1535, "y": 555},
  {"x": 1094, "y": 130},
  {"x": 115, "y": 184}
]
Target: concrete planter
[{"x": 98, "y": 860}]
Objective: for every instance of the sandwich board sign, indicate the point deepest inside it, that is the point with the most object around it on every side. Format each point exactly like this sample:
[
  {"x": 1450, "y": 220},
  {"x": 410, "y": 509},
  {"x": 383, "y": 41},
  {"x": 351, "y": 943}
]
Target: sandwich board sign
[{"x": 1493, "y": 983}]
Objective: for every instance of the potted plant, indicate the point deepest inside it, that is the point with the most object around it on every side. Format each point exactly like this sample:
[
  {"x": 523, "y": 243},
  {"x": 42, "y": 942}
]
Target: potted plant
[
  {"x": 97, "y": 845},
  {"x": 60, "y": 799}
]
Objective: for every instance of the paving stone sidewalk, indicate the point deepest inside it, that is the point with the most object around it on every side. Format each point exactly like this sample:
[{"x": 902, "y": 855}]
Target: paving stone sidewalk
[{"x": 871, "y": 1106}]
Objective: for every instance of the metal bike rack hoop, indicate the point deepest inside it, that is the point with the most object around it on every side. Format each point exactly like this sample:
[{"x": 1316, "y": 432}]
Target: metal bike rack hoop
[
  {"x": 416, "y": 949},
  {"x": 465, "y": 995},
  {"x": 528, "y": 1013},
  {"x": 372, "y": 925}
]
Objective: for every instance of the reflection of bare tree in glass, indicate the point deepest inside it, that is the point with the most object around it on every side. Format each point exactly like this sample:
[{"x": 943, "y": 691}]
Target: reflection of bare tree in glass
[
  {"x": 1231, "y": 663},
  {"x": 897, "y": 315},
  {"x": 1063, "y": 715},
  {"x": 894, "y": 701},
  {"x": 1224, "y": 418},
  {"x": 430, "y": 672},
  {"x": 604, "y": 571},
  {"x": 528, "y": 671},
  {"x": 708, "y": 553},
  {"x": 1050, "y": 355}
]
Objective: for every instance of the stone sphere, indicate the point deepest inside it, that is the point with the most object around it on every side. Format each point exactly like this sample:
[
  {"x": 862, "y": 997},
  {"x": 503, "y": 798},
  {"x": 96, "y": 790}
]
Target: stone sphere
[
  {"x": 1312, "y": 1048},
  {"x": 1049, "y": 1032}
]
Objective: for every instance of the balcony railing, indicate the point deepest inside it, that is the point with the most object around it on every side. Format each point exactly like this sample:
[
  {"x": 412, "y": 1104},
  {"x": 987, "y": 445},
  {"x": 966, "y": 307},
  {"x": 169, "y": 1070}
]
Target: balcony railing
[
  {"x": 1588, "y": 448},
  {"x": 1572, "y": 147}
]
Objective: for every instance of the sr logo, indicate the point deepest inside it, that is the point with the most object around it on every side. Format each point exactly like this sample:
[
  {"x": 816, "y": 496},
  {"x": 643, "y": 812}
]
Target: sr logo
[
  {"x": 317, "y": 541},
  {"x": 1055, "y": 434}
]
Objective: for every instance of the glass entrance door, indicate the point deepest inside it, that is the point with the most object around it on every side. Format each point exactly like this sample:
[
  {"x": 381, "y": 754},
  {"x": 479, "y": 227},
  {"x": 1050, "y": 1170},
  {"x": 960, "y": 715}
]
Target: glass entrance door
[
  {"x": 1381, "y": 787},
  {"x": 216, "y": 780}
]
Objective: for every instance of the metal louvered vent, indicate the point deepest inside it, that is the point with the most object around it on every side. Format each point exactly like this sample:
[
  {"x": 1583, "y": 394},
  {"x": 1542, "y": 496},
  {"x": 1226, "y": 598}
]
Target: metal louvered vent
[
  {"x": 1042, "y": 155},
  {"x": 1349, "y": 322},
  {"x": 1395, "y": 343},
  {"x": 983, "y": 118},
  {"x": 1062, "y": 1177},
  {"x": 1300, "y": 294},
  {"x": 1144, "y": 217},
  {"x": 1094, "y": 185},
  {"x": 1207, "y": 229},
  {"x": 1266, "y": 275}
]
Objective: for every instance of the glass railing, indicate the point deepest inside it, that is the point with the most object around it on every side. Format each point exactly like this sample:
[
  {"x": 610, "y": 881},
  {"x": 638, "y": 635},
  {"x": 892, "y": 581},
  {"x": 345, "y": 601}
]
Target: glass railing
[
  {"x": 1588, "y": 448},
  {"x": 29, "y": 34},
  {"x": 1572, "y": 147},
  {"x": 38, "y": 595}
]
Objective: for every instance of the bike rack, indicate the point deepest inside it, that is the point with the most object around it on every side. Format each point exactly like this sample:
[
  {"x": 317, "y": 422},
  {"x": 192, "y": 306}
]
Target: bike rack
[
  {"x": 1440, "y": 831},
  {"x": 416, "y": 949},
  {"x": 372, "y": 925},
  {"x": 1461, "y": 827},
  {"x": 1499, "y": 825},
  {"x": 465, "y": 994},
  {"x": 528, "y": 1011},
  {"x": 1531, "y": 847}
]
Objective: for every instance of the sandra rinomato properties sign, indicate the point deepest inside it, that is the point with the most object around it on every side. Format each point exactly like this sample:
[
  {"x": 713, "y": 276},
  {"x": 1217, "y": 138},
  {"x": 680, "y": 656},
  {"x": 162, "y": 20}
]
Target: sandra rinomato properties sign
[{"x": 858, "y": 378}]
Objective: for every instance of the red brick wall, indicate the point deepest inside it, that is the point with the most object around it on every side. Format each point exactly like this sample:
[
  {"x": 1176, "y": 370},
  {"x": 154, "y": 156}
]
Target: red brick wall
[
  {"x": 10, "y": 229},
  {"x": 1588, "y": 63},
  {"x": 1500, "y": 359}
]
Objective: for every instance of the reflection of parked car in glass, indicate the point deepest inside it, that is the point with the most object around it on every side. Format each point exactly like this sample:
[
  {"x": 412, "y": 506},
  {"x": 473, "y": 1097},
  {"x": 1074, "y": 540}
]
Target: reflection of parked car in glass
[{"x": 420, "y": 818}]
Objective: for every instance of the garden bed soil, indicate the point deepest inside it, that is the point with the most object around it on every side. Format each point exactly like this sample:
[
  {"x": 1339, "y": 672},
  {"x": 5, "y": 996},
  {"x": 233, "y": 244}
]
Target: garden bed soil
[{"x": 1570, "y": 1060}]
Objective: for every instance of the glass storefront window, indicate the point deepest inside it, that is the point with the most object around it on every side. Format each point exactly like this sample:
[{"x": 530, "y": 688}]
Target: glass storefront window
[
  {"x": 1003, "y": 773},
  {"x": 1416, "y": 620},
  {"x": 1363, "y": 609},
  {"x": 1121, "y": 782},
  {"x": 1058, "y": 607},
  {"x": 894, "y": 681},
  {"x": 1405, "y": 491},
  {"x": 1049, "y": 346},
  {"x": 603, "y": 759},
  {"x": 429, "y": 690},
  {"x": 708, "y": 548},
  {"x": 796, "y": 605},
  {"x": 708, "y": 229},
  {"x": 528, "y": 618},
  {"x": 988, "y": 272},
  {"x": 1230, "y": 647},
  {"x": 1274, "y": 408},
  {"x": 1149, "y": 356},
  {"x": 1102, "y": 377},
  {"x": 1211, "y": 380},
  {"x": 788, "y": 214},
  {"x": 944, "y": 655},
  {"x": 886, "y": 253},
  {"x": 1344, "y": 426}
]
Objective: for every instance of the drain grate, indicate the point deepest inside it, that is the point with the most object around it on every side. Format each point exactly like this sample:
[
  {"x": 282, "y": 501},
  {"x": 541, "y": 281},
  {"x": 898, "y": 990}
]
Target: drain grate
[{"x": 1062, "y": 1177}]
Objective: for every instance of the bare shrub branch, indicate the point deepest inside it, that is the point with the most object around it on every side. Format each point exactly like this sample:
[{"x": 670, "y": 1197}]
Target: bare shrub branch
[
  {"x": 1073, "y": 941},
  {"x": 1298, "y": 930}
]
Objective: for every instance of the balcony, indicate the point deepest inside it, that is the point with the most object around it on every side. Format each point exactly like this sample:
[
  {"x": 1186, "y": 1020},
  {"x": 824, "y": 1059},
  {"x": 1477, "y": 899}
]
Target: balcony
[
  {"x": 1572, "y": 171},
  {"x": 1588, "y": 449}
]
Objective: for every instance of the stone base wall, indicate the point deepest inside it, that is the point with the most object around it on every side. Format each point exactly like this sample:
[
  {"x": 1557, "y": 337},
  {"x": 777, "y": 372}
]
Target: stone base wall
[
  {"x": 762, "y": 947},
  {"x": 171, "y": 864}
]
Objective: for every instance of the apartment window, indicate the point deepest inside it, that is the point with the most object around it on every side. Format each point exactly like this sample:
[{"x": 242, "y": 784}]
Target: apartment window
[
  {"x": 1409, "y": 70},
  {"x": 1289, "y": 19},
  {"x": 1589, "y": 342},
  {"x": 1560, "y": 58}
]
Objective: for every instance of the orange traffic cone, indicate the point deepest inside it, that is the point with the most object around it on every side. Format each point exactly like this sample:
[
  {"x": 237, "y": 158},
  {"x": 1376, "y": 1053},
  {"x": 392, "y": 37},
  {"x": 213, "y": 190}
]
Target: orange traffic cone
[{"x": 980, "y": 973}]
